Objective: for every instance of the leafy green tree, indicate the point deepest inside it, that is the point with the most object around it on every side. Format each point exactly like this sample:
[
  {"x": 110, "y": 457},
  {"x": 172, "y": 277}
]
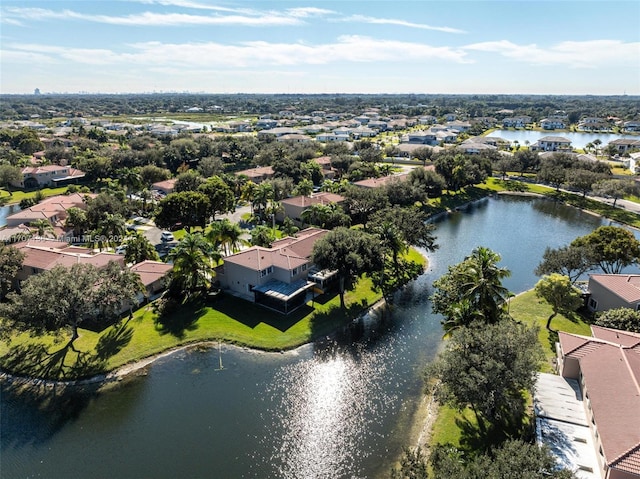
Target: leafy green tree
[
  {"x": 8, "y": 175},
  {"x": 189, "y": 209},
  {"x": 559, "y": 292},
  {"x": 77, "y": 220},
  {"x": 349, "y": 252},
  {"x": 412, "y": 224},
  {"x": 139, "y": 249},
  {"x": 427, "y": 181},
  {"x": 221, "y": 197},
  {"x": 570, "y": 261},
  {"x": 615, "y": 189},
  {"x": 514, "y": 458},
  {"x": 150, "y": 174},
  {"x": 188, "y": 181},
  {"x": 11, "y": 260},
  {"x": 487, "y": 367},
  {"x": 527, "y": 160},
  {"x": 583, "y": 180},
  {"x": 611, "y": 248},
  {"x": 304, "y": 187},
  {"x": 361, "y": 203},
  {"x": 413, "y": 465},
  {"x": 210, "y": 166},
  {"x": 194, "y": 261},
  {"x": 66, "y": 298},
  {"x": 625, "y": 319}
]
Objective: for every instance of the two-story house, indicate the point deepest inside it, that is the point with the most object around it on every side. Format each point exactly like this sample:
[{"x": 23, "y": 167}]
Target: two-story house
[{"x": 276, "y": 277}]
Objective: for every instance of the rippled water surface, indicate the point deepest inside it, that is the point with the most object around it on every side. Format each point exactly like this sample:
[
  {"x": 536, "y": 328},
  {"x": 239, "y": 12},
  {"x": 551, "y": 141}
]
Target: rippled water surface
[{"x": 335, "y": 409}]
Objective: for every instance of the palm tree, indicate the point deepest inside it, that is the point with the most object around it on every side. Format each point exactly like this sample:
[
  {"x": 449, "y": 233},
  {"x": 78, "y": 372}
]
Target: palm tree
[
  {"x": 112, "y": 228},
  {"x": 194, "y": 261},
  {"x": 482, "y": 284},
  {"x": 459, "y": 315},
  {"x": 226, "y": 234},
  {"x": 392, "y": 241},
  {"x": 43, "y": 228},
  {"x": 304, "y": 187}
]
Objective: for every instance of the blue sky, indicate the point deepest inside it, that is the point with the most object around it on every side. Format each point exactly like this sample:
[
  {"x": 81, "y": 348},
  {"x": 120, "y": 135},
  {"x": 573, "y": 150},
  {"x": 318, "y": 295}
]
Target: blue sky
[{"x": 456, "y": 46}]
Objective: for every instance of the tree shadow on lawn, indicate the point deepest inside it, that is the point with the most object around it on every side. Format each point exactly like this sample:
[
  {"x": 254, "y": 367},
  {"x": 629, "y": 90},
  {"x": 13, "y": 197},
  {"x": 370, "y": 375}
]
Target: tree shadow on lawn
[
  {"x": 180, "y": 318},
  {"x": 251, "y": 314},
  {"x": 473, "y": 440},
  {"x": 38, "y": 361}
]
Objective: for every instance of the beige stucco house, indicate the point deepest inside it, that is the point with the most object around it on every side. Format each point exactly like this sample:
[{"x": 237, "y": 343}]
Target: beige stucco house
[{"x": 610, "y": 291}]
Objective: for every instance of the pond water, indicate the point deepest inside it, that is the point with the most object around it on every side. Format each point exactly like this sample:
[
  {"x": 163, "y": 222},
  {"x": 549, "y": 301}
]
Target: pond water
[
  {"x": 7, "y": 210},
  {"x": 578, "y": 139},
  {"x": 337, "y": 409}
]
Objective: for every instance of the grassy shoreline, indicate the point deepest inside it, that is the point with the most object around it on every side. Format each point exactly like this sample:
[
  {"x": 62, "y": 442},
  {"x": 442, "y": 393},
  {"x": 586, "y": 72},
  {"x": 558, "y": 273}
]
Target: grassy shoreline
[{"x": 229, "y": 320}]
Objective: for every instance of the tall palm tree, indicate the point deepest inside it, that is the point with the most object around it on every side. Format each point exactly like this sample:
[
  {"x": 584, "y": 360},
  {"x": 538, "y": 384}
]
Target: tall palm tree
[
  {"x": 391, "y": 241},
  {"x": 194, "y": 261},
  {"x": 226, "y": 234},
  {"x": 482, "y": 283}
]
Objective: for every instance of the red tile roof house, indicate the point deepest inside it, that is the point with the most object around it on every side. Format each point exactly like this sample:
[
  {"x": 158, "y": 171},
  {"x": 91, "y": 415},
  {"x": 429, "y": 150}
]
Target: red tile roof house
[
  {"x": 257, "y": 175},
  {"x": 383, "y": 180},
  {"x": 53, "y": 209},
  {"x": 609, "y": 291},
  {"x": 154, "y": 277},
  {"x": 43, "y": 255},
  {"x": 276, "y": 277},
  {"x": 607, "y": 368},
  {"x": 293, "y": 207},
  {"x": 48, "y": 175},
  {"x": 165, "y": 187}
]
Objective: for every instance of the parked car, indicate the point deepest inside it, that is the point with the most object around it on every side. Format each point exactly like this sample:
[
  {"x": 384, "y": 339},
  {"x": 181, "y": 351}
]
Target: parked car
[
  {"x": 122, "y": 249},
  {"x": 166, "y": 237}
]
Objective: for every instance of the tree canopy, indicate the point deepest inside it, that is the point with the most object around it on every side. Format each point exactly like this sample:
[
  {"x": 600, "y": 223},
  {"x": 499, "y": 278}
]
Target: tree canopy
[
  {"x": 557, "y": 290},
  {"x": 611, "y": 248},
  {"x": 68, "y": 297},
  {"x": 487, "y": 367},
  {"x": 350, "y": 252}
]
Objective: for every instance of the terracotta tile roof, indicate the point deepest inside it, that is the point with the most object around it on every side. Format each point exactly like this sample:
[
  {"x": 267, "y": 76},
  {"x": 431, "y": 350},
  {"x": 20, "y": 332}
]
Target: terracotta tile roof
[
  {"x": 323, "y": 198},
  {"x": 627, "y": 286},
  {"x": 166, "y": 184},
  {"x": 46, "y": 254},
  {"x": 256, "y": 172},
  {"x": 287, "y": 253},
  {"x": 151, "y": 271},
  {"x": 611, "y": 373},
  {"x": 383, "y": 180}
]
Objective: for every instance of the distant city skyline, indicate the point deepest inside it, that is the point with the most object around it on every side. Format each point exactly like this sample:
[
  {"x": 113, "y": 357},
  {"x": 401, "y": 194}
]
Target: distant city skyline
[{"x": 432, "y": 47}]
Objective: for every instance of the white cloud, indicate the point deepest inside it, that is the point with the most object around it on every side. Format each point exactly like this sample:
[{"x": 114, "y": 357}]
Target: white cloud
[
  {"x": 349, "y": 49},
  {"x": 155, "y": 19},
  {"x": 401, "y": 23},
  {"x": 584, "y": 54},
  {"x": 304, "y": 12}
]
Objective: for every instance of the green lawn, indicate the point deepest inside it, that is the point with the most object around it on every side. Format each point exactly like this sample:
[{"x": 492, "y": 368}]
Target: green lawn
[
  {"x": 532, "y": 311},
  {"x": 18, "y": 196},
  {"x": 229, "y": 319}
]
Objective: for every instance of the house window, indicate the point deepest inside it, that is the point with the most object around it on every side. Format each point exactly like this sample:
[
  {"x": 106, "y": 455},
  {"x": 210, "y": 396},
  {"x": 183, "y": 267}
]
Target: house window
[
  {"x": 294, "y": 271},
  {"x": 304, "y": 268},
  {"x": 266, "y": 271},
  {"x": 593, "y": 304}
]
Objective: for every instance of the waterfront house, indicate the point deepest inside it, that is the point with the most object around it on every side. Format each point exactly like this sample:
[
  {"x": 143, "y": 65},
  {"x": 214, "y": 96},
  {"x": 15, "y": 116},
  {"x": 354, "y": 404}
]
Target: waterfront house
[
  {"x": 552, "y": 143},
  {"x": 606, "y": 367},
  {"x": 48, "y": 176},
  {"x": 553, "y": 124},
  {"x": 610, "y": 291},
  {"x": 623, "y": 145},
  {"x": 278, "y": 277}
]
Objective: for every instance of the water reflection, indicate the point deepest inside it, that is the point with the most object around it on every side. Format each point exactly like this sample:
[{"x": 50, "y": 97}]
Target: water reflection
[{"x": 330, "y": 412}]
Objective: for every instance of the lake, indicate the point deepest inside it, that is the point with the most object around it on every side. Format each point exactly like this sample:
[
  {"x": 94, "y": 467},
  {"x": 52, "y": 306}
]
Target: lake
[
  {"x": 578, "y": 139},
  {"x": 335, "y": 409}
]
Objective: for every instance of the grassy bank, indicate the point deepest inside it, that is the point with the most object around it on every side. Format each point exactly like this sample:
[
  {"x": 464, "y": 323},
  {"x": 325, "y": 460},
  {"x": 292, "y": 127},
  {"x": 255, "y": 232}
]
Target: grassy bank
[
  {"x": 19, "y": 195},
  {"x": 229, "y": 319},
  {"x": 528, "y": 309}
]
